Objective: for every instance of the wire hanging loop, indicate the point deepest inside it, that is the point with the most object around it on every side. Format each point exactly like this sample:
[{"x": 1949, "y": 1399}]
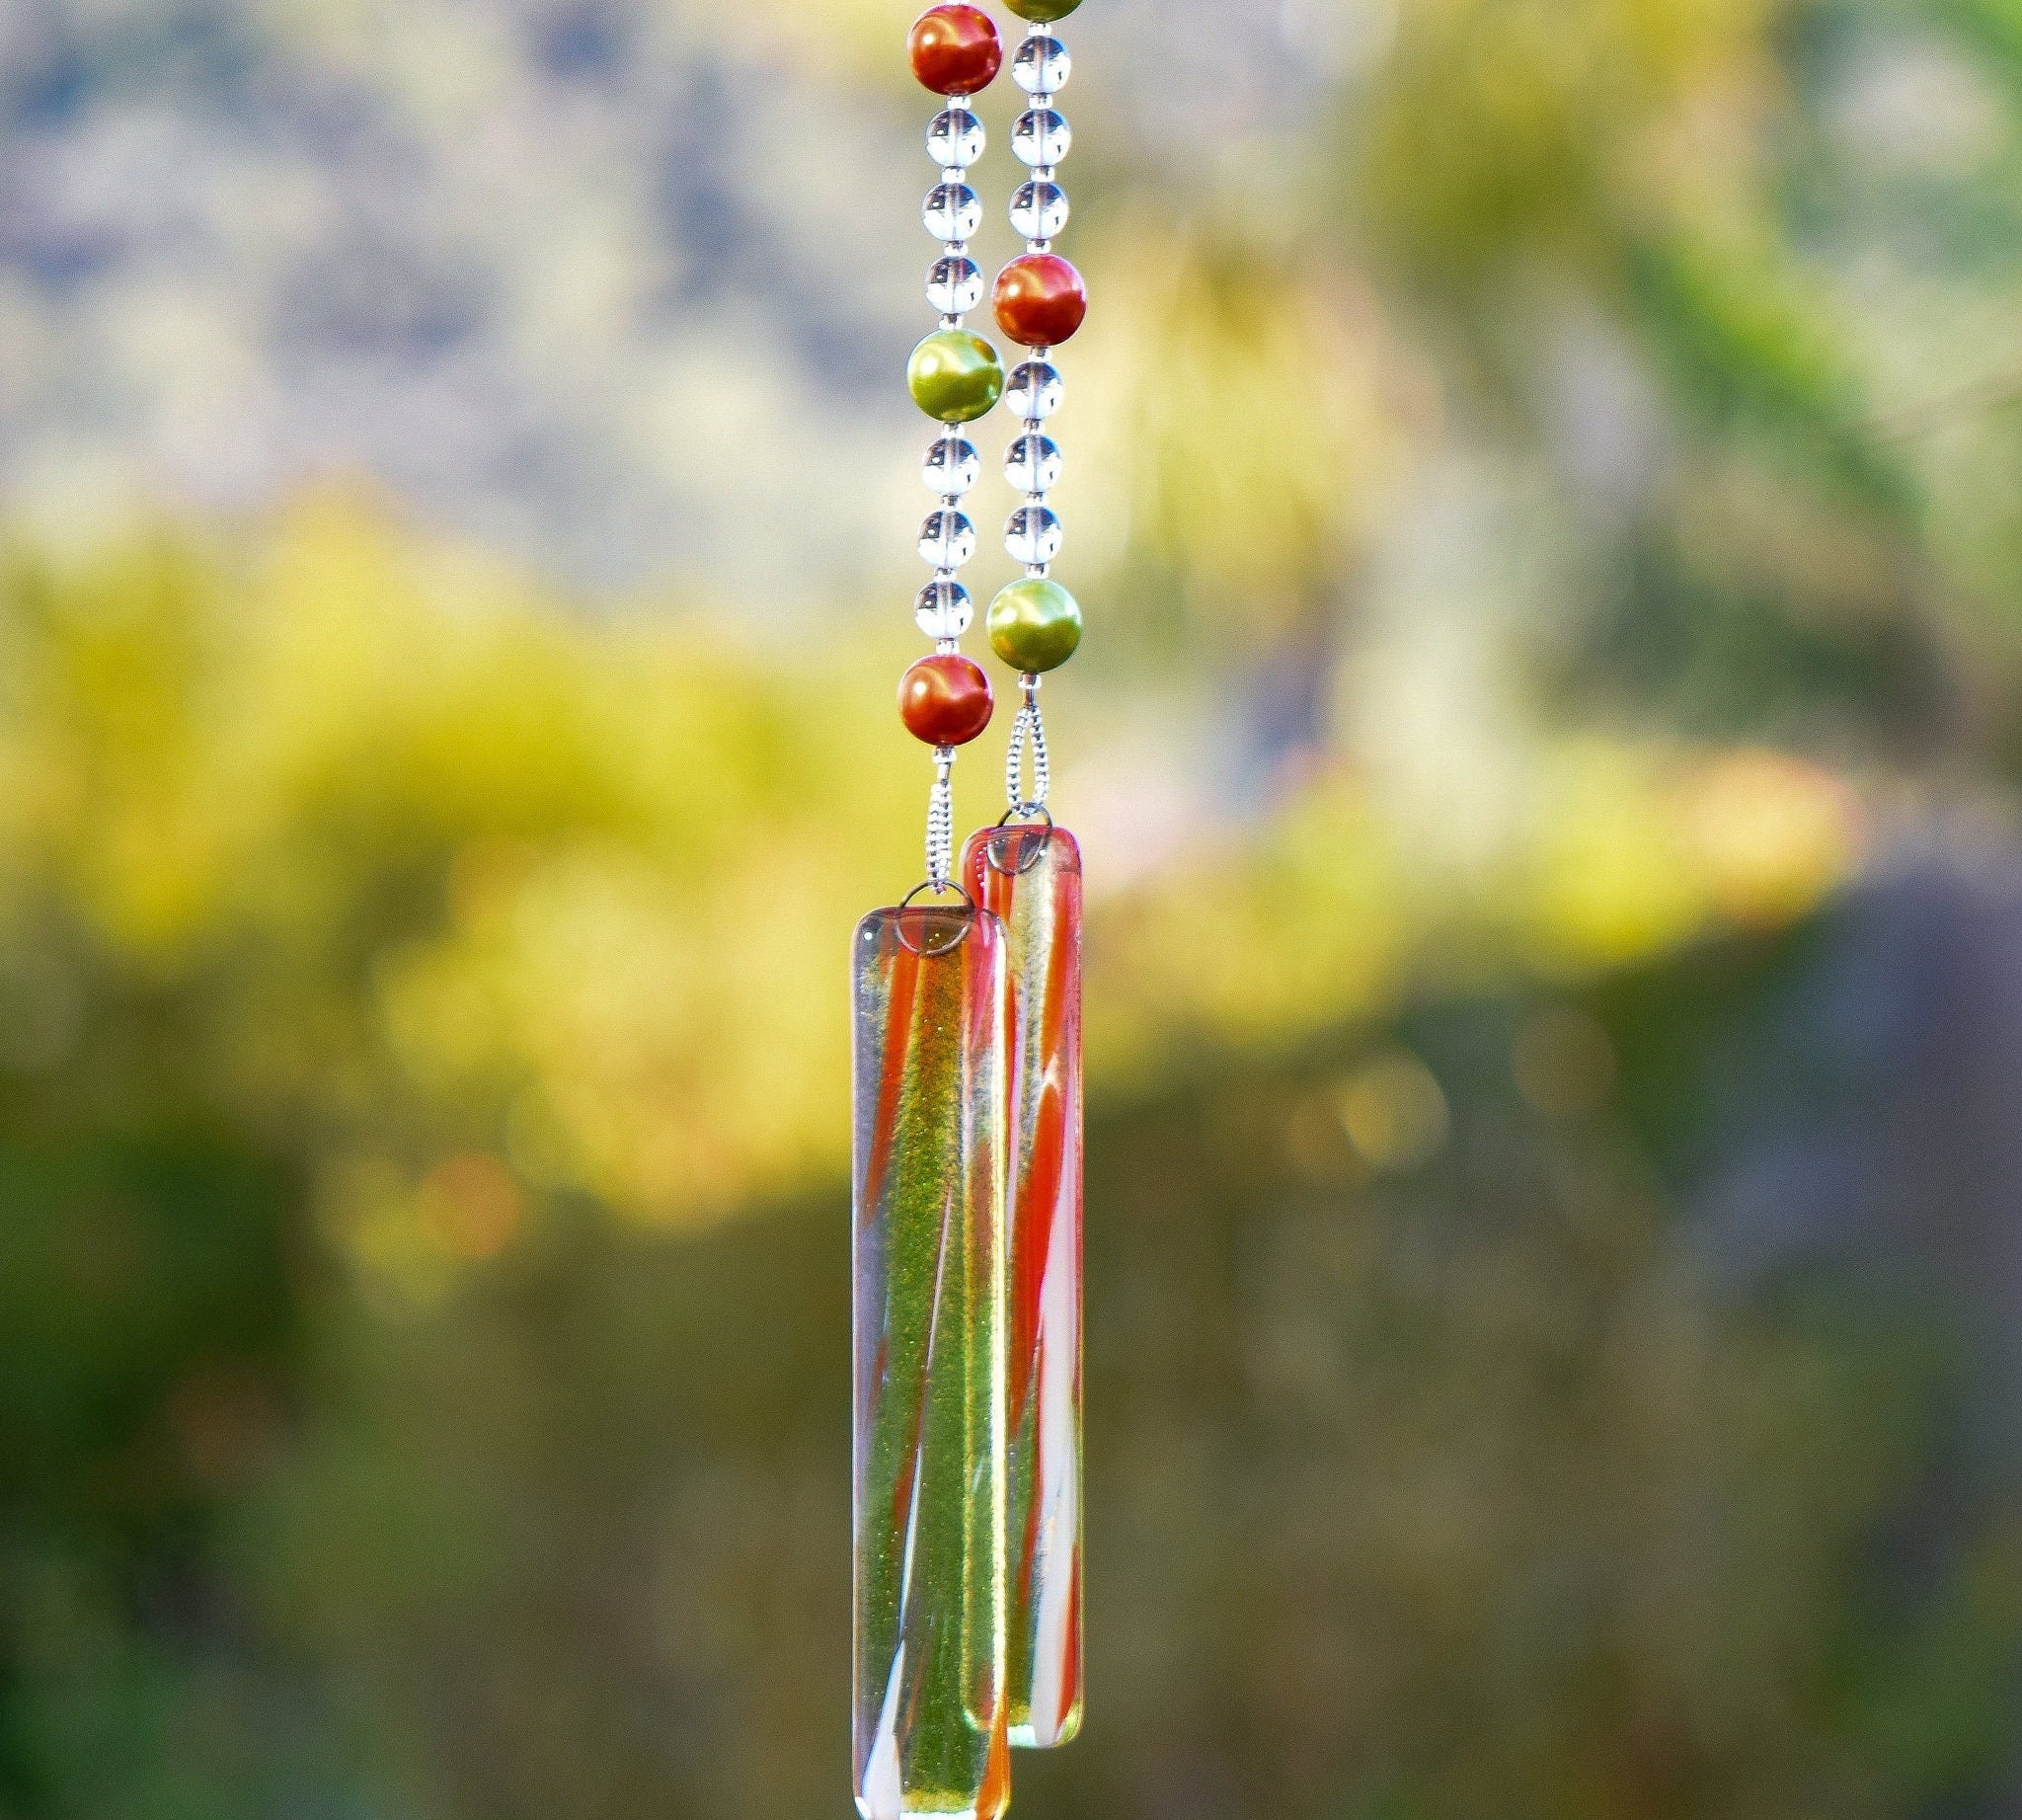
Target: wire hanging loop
[
  {"x": 1029, "y": 751},
  {"x": 941, "y": 823}
]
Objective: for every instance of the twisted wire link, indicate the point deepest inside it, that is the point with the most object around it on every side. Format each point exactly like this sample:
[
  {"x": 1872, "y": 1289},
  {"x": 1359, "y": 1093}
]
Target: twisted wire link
[
  {"x": 941, "y": 818},
  {"x": 1028, "y": 742}
]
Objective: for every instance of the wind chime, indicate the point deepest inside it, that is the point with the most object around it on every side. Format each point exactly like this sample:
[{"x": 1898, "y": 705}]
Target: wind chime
[{"x": 967, "y": 1059}]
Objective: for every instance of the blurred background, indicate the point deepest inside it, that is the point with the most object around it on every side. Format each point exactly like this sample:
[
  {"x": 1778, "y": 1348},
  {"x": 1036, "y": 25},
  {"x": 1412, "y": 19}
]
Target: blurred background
[{"x": 1546, "y": 481}]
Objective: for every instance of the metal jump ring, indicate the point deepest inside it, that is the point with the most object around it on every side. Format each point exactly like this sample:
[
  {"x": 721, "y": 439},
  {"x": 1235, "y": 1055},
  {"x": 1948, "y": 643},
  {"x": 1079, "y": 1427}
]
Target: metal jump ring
[
  {"x": 1038, "y": 847},
  {"x": 940, "y": 888}
]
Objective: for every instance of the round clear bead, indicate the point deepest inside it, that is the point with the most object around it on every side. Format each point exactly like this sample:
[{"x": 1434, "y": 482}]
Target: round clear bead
[
  {"x": 1033, "y": 390},
  {"x": 1032, "y": 464},
  {"x": 1041, "y": 136},
  {"x": 1041, "y": 66},
  {"x": 947, "y": 539},
  {"x": 955, "y": 287},
  {"x": 1039, "y": 211},
  {"x": 944, "y": 609},
  {"x": 953, "y": 212},
  {"x": 955, "y": 138},
  {"x": 1033, "y": 535},
  {"x": 951, "y": 466}
]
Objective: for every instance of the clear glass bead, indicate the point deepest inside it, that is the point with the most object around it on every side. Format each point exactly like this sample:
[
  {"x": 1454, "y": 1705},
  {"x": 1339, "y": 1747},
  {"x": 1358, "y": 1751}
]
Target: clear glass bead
[
  {"x": 951, "y": 466},
  {"x": 1033, "y": 535},
  {"x": 1032, "y": 464},
  {"x": 947, "y": 539},
  {"x": 1041, "y": 136},
  {"x": 953, "y": 212},
  {"x": 955, "y": 287},
  {"x": 1041, "y": 66},
  {"x": 1033, "y": 391},
  {"x": 1039, "y": 211},
  {"x": 955, "y": 138},
  {"x": 944, "y": 609}
]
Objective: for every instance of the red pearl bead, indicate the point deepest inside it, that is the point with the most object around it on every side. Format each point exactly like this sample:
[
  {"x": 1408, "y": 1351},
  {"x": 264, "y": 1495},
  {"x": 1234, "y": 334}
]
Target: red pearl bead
[
  {"x": 945, "y": 700},
  {"x": 955, "y": 50},
  {"x": 1040, "y": 300}
]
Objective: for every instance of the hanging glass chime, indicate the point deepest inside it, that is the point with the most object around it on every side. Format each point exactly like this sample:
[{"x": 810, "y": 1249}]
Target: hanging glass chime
[{"x": 967, "y": 1061}]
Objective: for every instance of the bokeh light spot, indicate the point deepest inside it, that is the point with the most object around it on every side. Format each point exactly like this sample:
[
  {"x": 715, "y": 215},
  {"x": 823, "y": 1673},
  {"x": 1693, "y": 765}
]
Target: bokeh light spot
[{"x": 1395, "y": 1112}]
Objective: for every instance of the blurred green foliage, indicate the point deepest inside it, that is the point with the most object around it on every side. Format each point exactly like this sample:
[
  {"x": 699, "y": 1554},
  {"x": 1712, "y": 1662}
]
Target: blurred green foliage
[{"x": 376, "y": 936}]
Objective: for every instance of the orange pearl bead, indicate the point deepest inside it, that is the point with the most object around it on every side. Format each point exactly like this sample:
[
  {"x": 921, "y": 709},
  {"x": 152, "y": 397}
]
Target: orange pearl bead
[
  {"x": 956, "y": 50},
  {"x": 1040, "y": 300},
  {"x": 945, "y": 700}
]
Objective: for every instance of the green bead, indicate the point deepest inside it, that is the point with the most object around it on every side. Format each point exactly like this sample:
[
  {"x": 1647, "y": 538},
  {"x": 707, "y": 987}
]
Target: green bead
[
  {"x": 955, "y": 376},
  {"x": 1035, "y": 626},
  {"x": 1042, "y": 12}
]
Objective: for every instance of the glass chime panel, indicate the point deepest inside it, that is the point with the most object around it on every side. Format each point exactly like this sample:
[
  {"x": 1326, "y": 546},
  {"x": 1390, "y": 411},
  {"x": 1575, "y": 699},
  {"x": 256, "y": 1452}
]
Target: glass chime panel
[
  {"x": 931, "y": 1722},
  {"x": 1030, "y": 878}
]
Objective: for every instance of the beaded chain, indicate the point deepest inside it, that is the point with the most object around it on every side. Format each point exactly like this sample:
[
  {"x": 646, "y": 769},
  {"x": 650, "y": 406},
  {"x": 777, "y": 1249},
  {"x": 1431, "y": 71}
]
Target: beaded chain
[
  {"x": 1036, "y": 624},
  {"x": 957, "y": 377}
]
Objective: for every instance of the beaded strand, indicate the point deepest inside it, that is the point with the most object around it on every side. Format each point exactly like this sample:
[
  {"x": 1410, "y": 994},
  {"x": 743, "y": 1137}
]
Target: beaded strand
[
  {"x": 954, "y": 377},
  {"x": 1040, "y": 301}
]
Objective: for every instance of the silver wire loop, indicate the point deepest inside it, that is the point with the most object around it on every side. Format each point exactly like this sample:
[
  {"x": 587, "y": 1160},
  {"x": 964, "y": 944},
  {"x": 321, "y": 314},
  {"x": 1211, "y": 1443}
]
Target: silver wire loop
[
  {"x": 941, "y": 818},
  {"x": 1029, "y": 744}
]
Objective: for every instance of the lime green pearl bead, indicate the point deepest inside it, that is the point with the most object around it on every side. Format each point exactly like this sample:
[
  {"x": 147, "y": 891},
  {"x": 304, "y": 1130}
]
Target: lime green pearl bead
[
  {"x": 1035, "y": 626},
  {"x": 1042, "y": 12},
  {"x": 955, "y": 376}
]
